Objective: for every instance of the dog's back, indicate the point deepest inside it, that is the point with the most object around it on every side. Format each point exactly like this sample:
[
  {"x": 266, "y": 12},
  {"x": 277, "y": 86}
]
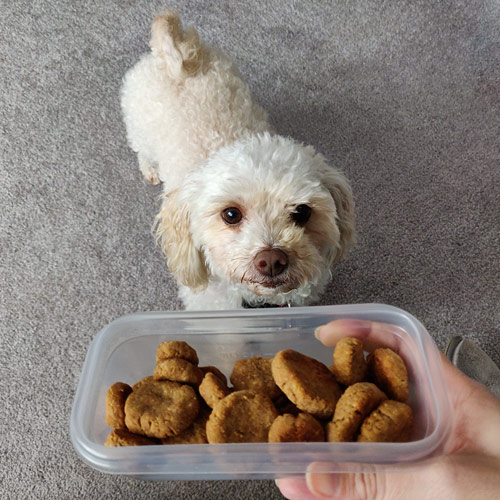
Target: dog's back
[{"x": 182, "y": 101}]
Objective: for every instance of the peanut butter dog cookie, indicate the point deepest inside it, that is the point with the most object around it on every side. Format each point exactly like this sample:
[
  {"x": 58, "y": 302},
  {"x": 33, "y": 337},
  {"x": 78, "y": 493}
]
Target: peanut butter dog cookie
[
  {"x": 349, "y": 365},
  {"x": 196, "y": 433},
  {"x": 212, "y": 389},
  {"x": 390, "y": 422},
  {"x": 176, "y": 349},
  {"x": 353, "y": 406},
  {"x": 255, "y": 374},
  {"x": 306, "y": 382},
  {"x": 160, "y": 408},
  {"x": 215, "y": 371},
  {"x": 241, "y": 417},
  {"x": 115, "y": 404},
  {"x": 389, "y": 372},
  {"x": 178, "y": 370},
  {"x": 142, "y": 381},
  {"x": 300, "y": 428},
  {"x": 123, "y": 437}
]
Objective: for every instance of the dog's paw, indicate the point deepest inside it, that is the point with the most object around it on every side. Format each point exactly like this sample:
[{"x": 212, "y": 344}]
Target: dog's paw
[
  {"x": 149, "y": 170},
  {"x": 154, "y": 179}
]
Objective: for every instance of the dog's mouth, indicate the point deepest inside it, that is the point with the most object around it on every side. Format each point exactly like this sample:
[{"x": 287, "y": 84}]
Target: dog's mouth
[{"x": 270, "y": 286}]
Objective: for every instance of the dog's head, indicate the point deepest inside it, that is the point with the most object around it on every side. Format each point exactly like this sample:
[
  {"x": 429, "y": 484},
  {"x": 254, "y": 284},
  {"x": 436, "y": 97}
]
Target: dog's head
[{"x": 266, "y": 214}]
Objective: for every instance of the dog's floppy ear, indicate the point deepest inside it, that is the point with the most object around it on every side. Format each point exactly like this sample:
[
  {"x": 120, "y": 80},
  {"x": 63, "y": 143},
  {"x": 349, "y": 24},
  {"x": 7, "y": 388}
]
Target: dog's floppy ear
[
  {"x": 341, "y": 192},
  {"x": 173, "y": 233}
]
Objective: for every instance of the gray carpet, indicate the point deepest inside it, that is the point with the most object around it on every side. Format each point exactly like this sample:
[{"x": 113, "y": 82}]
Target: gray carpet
[{"x": 403, "y": 95}]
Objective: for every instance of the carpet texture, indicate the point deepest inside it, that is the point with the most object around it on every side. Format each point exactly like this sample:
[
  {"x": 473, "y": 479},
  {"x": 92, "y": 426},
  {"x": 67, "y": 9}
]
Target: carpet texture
[{"x": 404, "y": 96}]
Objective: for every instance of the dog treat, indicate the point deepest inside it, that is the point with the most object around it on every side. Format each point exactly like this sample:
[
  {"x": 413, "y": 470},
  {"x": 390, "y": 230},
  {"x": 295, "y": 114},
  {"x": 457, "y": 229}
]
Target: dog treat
[
  {"x": 196, "y": 433},
  {"x": 255, "y": 374},
  {"x": 115, "y": 404},
  {"x": 390, "y": 422},
  {"x": 215, "y": 371},
  {"x": 296, "y": 428},
  {"x": 272, "y": 399},
  {"x": 123, "y": 437},
  {"x": 306, "y": 382},
  {"x": 178, "y": 370},
  {"x": 142, "y": 381},
  {"x": 160, "y": 408},
  {"x": 176, "y": 349},
  {"x": 389, "y": 373},
  {"x": 353, "y": 406},
  {"x": 349, "y": 365},
  {"x": 242, "y": 417},
  {"x": 213, "y": 389}
]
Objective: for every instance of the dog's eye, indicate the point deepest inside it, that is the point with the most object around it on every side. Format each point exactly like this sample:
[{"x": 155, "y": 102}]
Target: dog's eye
[
  {"x": 301, "y": 214},
  {"x": 231, "y": 216}
]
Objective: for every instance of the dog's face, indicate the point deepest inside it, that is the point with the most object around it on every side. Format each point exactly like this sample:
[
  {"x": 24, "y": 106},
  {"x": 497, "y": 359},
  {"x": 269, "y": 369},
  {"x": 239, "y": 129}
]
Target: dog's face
[{"x": 265, "y": 215}]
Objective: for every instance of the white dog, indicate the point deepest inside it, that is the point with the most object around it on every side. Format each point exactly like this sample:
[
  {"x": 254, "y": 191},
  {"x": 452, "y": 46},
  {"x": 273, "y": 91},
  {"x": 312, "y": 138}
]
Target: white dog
[{"x": 248, "y": 218}]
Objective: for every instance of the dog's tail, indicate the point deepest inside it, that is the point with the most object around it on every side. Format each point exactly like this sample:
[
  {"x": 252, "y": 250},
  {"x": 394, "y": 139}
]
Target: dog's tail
[{"x": 180, "y": 50}]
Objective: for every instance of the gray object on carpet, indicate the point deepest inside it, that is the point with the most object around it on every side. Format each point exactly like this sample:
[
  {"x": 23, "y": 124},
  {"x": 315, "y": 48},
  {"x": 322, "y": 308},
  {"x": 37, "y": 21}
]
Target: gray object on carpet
[
  {"x": 474, "y": 362},
  {"x": 404, "y": 96}
]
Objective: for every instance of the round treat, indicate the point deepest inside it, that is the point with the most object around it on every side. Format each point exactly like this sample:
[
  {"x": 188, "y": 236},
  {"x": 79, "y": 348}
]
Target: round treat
[
  {"x": 178, "y": 370},
  {"x": 389, "y": 372},
  {"x": 160, "y": 408},
  {"x": 306, "y": 382},
  {"x": 390, "y": 422},
  {"x": 115, "y": 403},
  {"x": 353, "y": 406},
  {"x": 142, "y": 381},
  {"x": 296, "y": 428},
  {"x": 212, "y": 389},
  {"x": 349, "y": 365},
  {"x": 255, "y": 374},
  {"x": 241, "y": 417},
  {"x": 196, "y": 433},
  {"x": 123, "y": 437},
  {"x": 215, "y": 371},
  {"x": 176, "y": 349}
]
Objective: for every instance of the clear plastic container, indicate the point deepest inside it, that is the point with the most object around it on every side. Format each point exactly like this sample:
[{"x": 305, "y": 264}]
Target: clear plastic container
[{"x": 125, "y": 351}]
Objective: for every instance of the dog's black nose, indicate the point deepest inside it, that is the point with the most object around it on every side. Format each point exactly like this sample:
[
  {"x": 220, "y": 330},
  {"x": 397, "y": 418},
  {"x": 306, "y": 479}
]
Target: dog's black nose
[{"x": 271, "y": 262}]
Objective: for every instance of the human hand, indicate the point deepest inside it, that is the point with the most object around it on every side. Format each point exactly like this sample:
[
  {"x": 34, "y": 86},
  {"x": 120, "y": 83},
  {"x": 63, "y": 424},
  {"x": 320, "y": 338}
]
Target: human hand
[{"x": 470, "y": 464}]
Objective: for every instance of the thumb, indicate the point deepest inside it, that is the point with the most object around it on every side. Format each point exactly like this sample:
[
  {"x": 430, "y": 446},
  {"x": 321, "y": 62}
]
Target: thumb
[{"x": 375, "y": 483}]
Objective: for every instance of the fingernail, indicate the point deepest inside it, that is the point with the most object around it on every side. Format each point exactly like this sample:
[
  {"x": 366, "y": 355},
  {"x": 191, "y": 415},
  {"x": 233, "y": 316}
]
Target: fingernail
[
  {"x": 277, "y": 482},
  {"x": 316, "y": 332},
  {"x": 323, "y": 485},
  {"x": 353, "y": 323}
]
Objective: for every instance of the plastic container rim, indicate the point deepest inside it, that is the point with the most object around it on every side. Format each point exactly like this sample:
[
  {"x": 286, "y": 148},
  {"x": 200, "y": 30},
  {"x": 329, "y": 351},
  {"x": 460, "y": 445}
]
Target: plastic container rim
[{"x": 113, "y": 460}]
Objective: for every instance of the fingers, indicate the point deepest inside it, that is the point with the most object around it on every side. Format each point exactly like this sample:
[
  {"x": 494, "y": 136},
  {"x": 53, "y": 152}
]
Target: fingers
[
  {"x": 367, "y": 331},
  {"x": 460, "y": 476},
  {"x": 371, "y": 333},
  {"x": 375, "y": 483},
  {"x": 295, "y": 488},
  {"x": 474, "y": 407},
  {"x": 374, "y": 335}
]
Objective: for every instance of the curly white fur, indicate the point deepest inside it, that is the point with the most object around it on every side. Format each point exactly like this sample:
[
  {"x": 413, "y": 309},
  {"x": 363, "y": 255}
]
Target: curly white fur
[{"x": 196, "y": 128}]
